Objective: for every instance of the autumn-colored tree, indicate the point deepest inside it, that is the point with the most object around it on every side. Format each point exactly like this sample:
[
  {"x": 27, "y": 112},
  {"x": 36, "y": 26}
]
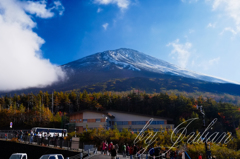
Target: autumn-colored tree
[{"x": 56, "y": 103}]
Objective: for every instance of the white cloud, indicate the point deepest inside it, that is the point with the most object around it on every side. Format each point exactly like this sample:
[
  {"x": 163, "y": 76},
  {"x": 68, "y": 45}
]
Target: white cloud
[
  {"x": 39, "y": 8},
  {"x": 181, "y": 52},
  {"x": 207, "y": 64},
  {"x": 210, "y": 25},
  {"x": 105, "y": 26},
  {"x": 21, "y": 63},
  {"x": 214, "y": 61},
  {"x": 99, "y": 10},
  {"x": 232, "y": 9},
  {"x": 122, "y": 4},
  {"x": 230, "y": 30},
  {"x": 59, "y": 7}
]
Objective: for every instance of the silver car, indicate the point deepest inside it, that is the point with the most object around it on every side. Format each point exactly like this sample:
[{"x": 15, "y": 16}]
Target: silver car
[
  {"x": 18, "y": 156},
  {"x": 52, "y": 156}
]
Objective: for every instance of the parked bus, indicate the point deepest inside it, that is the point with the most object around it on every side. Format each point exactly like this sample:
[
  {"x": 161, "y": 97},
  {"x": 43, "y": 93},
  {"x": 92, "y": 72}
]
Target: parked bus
[{"x": 52, "y": 131}]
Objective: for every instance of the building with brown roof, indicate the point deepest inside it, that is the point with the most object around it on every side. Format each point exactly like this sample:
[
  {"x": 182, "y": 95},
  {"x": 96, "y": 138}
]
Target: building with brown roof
[{"x": 107, "y": 119}]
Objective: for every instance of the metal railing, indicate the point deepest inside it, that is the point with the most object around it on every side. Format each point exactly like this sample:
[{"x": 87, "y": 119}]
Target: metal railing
[{"x": 50, "y": 142}]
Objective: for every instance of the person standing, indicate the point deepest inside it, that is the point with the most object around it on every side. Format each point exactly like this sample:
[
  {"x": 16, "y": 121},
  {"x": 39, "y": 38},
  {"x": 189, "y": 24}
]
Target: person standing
[
  {"x": 35, "y": 136},
  {"x": 175, "y": 154},
  {"x": 113, "y": 152},
  {"x": 151, "y": 152},
  {"x": 183, "y": 155},
  {"x": 46, "y": 139},
  {"x": 48, "y": 133},
  {"x": 49, "y": 137},
  {"x": 21, "y": 135},
  {"x": 31, "y": 137},
  {"x": 56, "y": 140},
  {"x": 41, "y": 138},
  {"x": 64, "y": 133},
  {"x": 179, "y": 155},
  {"x": 116, "y": 147},
  {"x": 110, "y": 147},
  {"x": 200, "y": 156},
  {"x": 124, "y": 150},
  {"x": 157, "y": 153},
  {"x": 106, "y": 148},
  {"x": 134, "y": 151},
  {"x": 102, "y": 147},
  {"x": 127, "y": 150},
  {"x": 168, "y": 154},
  {"x": 172, "y": 155},
  {"x": 61, "y": 140},
  {"x": 38, "y": 138},
  {"x": 131, "y": 151}
]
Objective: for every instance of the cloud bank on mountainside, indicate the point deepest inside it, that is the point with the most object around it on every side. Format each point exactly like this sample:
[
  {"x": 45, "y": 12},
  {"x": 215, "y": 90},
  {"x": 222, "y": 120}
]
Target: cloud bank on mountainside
[{"x": 21, "y": 62}]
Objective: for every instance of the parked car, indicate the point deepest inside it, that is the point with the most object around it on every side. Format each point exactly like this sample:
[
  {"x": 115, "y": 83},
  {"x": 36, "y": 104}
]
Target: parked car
[
  {"x": 52, "y": 156},
  {"x": 18, "y": 156}
]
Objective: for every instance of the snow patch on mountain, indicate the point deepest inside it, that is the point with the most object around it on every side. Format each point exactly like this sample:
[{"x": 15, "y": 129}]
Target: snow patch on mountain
[{"x": 136, "y": 61}]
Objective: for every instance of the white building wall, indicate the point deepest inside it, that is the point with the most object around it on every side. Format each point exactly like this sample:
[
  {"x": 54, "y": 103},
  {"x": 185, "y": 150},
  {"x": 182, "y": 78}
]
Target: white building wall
[
  {"x": 119, "y": 116},
  {"x": 93, "y": 115}
]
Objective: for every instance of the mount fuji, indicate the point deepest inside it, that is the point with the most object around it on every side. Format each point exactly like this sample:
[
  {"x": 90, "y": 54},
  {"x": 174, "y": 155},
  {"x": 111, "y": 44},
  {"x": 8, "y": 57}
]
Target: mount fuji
[
  {"x": 124, "y": 69},
  {"x": 133, "y": 62}
]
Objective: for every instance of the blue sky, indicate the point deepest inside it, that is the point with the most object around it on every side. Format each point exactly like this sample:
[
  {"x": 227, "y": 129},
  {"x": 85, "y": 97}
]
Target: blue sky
[
  {"x": 146, "y": 26},
  {"x": 198, "y": 35}
]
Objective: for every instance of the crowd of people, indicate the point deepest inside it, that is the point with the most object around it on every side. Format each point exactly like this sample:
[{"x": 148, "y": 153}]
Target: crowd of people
[
  {"x": 128, "y": 151},
  {"x": 42, "y": 138},
  {"x": 135, "y": 152},
  {"x": 109, "y": 149}
]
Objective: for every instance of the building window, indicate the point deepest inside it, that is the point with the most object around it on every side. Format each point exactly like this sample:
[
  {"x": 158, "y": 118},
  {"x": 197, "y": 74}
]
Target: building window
[
  {"x": 74, "y": 120},
  {"x": 84, "y": 120},
  {"x": 80, "y": 119},
  {"x": 77, "y": 119},
  {"x": 121, "y": 122},
  {"x": 157, "y": 122},
  {"x": 138, "y": 122},
  {"x": 98, "y": 120}
]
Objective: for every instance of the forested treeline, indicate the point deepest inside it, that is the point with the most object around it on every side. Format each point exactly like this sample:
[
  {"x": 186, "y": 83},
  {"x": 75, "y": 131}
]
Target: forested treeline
[
  {"x": 36, "y": 109},
  {"x": 164, "y": 140}
]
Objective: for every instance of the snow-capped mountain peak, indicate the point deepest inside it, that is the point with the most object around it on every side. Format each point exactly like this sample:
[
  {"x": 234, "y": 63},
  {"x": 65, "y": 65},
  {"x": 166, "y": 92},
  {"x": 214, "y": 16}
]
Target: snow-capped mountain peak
[{"x": 129, "y": 59}]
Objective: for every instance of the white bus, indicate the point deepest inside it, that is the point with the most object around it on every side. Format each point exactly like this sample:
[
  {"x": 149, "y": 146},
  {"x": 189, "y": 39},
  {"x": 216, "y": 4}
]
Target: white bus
[{"x": 52, "y": 131}]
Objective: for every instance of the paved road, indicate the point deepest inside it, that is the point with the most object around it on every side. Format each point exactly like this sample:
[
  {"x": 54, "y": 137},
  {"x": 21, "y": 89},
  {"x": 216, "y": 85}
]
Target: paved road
[
  {"x": 100, "y": 157},
  {"x": 103, "y": 157}
]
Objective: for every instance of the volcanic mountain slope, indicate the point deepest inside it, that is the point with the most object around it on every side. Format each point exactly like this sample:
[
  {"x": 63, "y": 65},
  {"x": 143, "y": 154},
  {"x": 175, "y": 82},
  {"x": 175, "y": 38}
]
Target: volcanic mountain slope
[
  {"x": 123, "y": 63},
  {"x": 128, "y": 62}
]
